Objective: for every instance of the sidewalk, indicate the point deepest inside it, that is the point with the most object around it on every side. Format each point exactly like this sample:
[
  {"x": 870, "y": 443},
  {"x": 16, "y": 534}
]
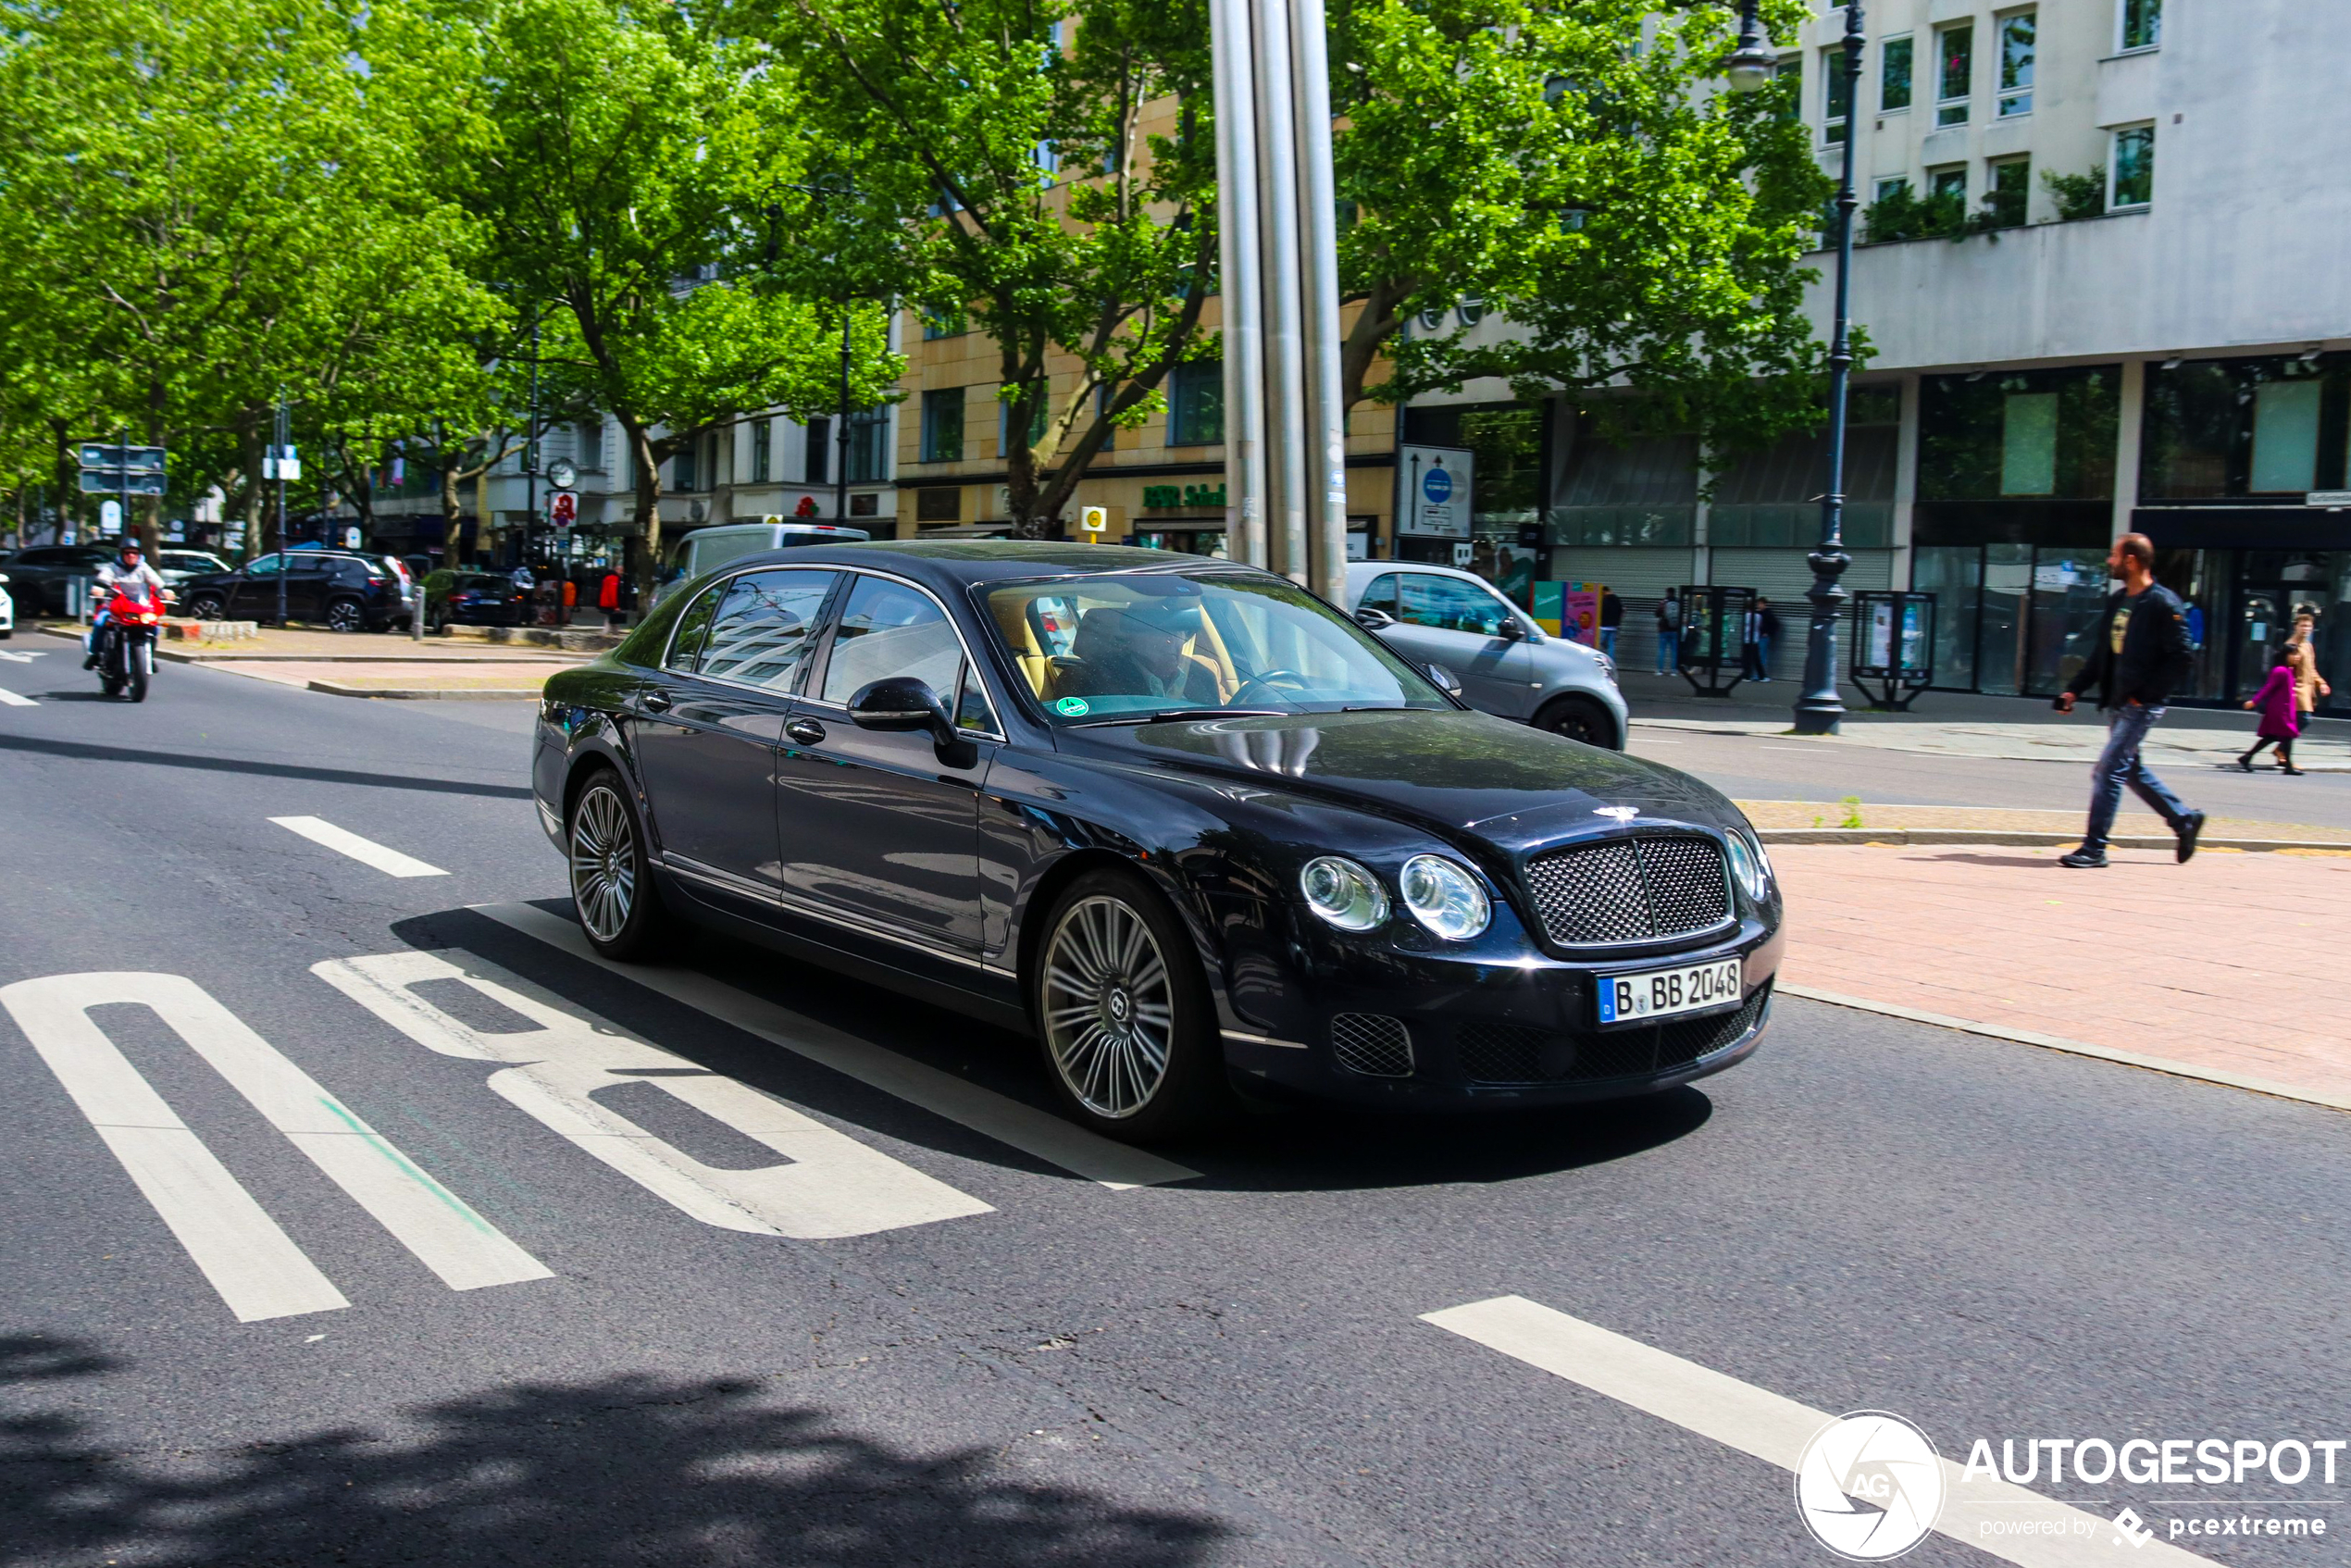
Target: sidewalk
[
  {"x": 2214, "y": 968},
  {"x": 375, "y": 664}
]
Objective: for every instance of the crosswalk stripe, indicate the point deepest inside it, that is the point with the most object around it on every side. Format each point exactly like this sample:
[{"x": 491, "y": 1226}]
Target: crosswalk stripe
[
  {"x": 1775, "y": 1429},
  {"x": 830, "y": 1185},
  {"x": 253, "y": 1264},
  {"x": 391, "y": 862},
  {"x": 1047, "y": 1136},
  {"x": 13, "y": 700},
  {"x": 444, "y": 1232}
]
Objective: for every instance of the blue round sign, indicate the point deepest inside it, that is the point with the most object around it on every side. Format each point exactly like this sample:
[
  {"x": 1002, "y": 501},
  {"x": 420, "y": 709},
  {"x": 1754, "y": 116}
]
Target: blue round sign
[{"x": 1437, "y": 485}]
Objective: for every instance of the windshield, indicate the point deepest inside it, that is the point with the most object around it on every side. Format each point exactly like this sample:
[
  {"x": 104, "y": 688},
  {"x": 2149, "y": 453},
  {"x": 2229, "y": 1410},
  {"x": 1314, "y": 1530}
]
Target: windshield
[{"x": 1126, "y": 646}]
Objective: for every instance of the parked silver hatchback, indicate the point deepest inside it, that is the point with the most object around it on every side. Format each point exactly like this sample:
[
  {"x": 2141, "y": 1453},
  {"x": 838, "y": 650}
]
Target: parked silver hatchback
[{"x": 1506, "y": 663}]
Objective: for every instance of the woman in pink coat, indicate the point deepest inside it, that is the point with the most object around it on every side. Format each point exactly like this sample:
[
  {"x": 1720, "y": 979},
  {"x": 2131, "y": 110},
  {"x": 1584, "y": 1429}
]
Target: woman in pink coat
[{"x": 2281, "y": 719}]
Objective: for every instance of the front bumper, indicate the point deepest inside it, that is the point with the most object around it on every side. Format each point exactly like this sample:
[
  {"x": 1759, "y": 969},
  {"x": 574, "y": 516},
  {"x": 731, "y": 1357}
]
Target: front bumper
[{"x": 1340, "y": 1019}]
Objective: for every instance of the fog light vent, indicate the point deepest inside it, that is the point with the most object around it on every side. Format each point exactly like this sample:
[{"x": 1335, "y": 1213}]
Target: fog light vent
[{"x": 1372, "y": 1043}]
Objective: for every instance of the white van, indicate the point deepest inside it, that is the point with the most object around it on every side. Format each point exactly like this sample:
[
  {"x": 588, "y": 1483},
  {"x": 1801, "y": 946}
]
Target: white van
[{"x": 706, "y": 550}]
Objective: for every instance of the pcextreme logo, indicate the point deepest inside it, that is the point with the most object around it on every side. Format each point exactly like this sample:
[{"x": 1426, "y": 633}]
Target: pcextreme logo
[{"x": 1869, "y": 1486}]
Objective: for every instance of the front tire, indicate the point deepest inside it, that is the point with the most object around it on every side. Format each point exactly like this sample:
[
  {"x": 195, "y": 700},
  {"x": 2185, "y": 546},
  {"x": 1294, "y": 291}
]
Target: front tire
[
  {"x": 345, "y": 615},
  {"x": 1122, "y": 1013},
  {"x": 1579, "y": 718},
  {"x": 611, "y": 882},
  {"x": 207, "y": 607}
]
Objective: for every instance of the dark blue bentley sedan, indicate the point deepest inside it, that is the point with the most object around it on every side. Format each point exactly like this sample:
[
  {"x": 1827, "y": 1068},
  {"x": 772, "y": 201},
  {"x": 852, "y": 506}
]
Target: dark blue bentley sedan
[{"x": 1177, "y": 818}]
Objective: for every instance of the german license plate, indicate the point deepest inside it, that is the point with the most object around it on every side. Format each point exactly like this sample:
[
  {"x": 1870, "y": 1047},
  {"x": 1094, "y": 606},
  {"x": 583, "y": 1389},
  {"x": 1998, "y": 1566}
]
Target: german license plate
[{"x": 1661, "y": 993}]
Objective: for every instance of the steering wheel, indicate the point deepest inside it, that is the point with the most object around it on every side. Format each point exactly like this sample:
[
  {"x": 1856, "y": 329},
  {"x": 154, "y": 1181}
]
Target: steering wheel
[{"x": 1267, "y": 680}]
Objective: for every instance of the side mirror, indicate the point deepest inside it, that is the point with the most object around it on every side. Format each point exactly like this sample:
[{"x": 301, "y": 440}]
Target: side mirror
[
  {"x": 901, "y": 702},
  {"x": 1371, "y": 619},
  {"x": 1447, "y": 682},
  {"x": 1511, "y": 631}
]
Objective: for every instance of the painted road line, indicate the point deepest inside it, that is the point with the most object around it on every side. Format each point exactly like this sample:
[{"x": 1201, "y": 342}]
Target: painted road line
[
  {"x": 828, "y": 1185},
  {"x": 231, "y": 1239},
  {"x": 11, "y": 699},
  {"x": 1047, "y": 1136},
  {"x": 1988, "y": 1514},
  {"x": 391, "y": 862},
  {"x": 12, "y": 657}
]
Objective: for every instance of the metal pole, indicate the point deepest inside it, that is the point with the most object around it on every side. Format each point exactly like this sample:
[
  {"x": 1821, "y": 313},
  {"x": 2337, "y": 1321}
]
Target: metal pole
[
  {"x": 285, "y": 439},
  {"x": 1284, "y": 349},
  {"x": 1818, "y": 711},
  {"x": 1241, "y": 264},
  {"x": 840, "y": 471},
  {"x": 1325, "y": 439}
]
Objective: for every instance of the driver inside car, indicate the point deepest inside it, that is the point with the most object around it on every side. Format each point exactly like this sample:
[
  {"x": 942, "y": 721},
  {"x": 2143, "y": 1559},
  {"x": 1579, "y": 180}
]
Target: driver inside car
[{"x": 1138, "y": 651}]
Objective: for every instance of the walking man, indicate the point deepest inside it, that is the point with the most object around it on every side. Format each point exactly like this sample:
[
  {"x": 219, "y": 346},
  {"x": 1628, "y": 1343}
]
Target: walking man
[
  {"x": 1668, "y": 633},
  {"x": 1612, "y": 620},
  {"x": 2139, "y": 657}
]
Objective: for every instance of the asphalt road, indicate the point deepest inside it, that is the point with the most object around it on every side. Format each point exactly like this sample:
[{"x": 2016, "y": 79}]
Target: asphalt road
[{"x": 1016, "y": 1363}]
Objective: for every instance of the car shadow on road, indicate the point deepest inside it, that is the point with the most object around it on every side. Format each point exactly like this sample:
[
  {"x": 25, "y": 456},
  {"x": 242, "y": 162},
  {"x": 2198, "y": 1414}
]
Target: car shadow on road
[
  {"x": 85, "y": 751},
  {"x": 1287, "y": 1147},
  {"x": 637, "y": 1470}
]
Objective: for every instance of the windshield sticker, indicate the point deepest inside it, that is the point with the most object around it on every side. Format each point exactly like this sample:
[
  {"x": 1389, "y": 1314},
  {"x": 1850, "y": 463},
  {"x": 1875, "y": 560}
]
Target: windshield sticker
[{"x": 1073, "y": 707}]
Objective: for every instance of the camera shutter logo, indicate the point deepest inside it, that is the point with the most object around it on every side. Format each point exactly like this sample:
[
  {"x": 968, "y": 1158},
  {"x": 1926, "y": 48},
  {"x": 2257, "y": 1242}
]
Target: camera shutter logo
[{"x": 1869, "y": 1486}]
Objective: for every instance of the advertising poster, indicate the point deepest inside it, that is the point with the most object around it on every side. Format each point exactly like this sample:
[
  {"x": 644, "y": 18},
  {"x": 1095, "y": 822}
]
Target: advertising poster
[
  {"x": 1581, "y": 622},
  {"x": 1547, "y": 606}
]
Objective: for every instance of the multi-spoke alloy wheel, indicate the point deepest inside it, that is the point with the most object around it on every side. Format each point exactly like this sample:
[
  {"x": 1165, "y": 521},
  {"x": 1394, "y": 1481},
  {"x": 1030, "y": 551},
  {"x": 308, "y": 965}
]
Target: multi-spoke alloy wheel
[
  {"x": 1110, "y": 1009},
  {"x": 603, "y": 862}
]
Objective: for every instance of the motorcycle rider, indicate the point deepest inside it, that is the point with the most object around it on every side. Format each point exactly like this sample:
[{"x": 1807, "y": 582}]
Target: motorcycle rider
[{"x": 129, "y": 575}]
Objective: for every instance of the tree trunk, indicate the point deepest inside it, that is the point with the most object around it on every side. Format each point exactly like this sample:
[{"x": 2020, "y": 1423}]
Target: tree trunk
[
  {"x": 69, "y": 477},
  {"x": 253, "y": 498},
  {"x": 453, "y": 506},
  {"x": 647, "y": 465},
  {"x": 151, "y": 520}
]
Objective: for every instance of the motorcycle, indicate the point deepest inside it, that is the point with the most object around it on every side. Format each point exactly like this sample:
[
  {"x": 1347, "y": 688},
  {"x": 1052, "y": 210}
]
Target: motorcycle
[{"x": 127, "y": 647}]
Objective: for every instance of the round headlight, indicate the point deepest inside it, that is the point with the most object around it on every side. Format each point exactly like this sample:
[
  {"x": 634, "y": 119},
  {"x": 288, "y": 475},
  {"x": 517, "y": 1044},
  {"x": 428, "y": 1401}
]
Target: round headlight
[
  {"x": 1747, "y": 865},
  {"x": 1344, "y": 893},
  {"x": 1444, "y": 898}
]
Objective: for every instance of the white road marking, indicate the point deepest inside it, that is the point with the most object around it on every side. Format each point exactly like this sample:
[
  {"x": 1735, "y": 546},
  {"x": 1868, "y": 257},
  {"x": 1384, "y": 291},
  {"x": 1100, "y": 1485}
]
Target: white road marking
[
  {"x": 1050, "y": 1137},
  {"x": 1775, "y": 1429},
  {"x": 253, "y": 1264},
  {"x": 391, "y": 862},
  {"x": 13, "y": 658},
  {"x": 466, "y": 1251},
  {"x": 13, "y": 700},
  {"x": 830, "y": 1186}
]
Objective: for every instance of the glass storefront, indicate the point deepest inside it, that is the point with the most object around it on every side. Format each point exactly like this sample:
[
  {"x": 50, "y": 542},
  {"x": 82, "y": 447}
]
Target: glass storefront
[{"x": 1184, "y": 542}]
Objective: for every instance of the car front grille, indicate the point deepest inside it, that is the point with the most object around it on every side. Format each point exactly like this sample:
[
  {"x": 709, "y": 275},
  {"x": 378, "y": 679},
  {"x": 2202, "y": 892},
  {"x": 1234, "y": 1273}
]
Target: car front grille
[
  {"x": 1372, "y": 1043},
  {"x": 1630, "y": 889},
  {"x": 1510, "y": 1053}
]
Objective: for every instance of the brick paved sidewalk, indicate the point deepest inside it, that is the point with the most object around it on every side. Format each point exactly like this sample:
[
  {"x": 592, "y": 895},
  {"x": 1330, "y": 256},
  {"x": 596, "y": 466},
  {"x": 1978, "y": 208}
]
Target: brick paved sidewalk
[
  {"x": 2222, "y": 964},
  {"x": 2135, "y": 820}
]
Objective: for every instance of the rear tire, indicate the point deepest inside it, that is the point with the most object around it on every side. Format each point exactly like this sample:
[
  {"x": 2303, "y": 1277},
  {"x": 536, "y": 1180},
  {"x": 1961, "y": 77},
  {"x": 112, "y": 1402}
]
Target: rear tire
[
  {"x": 346, "y": 615},
  {"x": 1579, "y": 718},
  {"x": 1122, "y": 1013},
  {"x": 612, "y": 885}
]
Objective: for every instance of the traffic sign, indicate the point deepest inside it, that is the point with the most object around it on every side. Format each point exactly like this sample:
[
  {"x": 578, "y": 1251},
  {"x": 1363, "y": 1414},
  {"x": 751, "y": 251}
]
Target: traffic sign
[
  {"x": 110, "y": 516},
  {"x": 1093, "y": 519},
  {"x": 563, "y": 507},
  {"x": 114, "y": 481}
]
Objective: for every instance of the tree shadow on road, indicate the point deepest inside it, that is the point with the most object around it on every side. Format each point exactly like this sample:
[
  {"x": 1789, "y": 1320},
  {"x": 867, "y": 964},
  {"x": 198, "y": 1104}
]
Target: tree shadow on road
[{"x": 632, "y": 1470}]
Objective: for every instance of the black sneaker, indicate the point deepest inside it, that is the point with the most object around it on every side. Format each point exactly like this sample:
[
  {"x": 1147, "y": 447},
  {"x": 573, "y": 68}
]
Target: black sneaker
[
  {"x": 2092, "y": 859},
  {"x": 2190, "y": 826}
]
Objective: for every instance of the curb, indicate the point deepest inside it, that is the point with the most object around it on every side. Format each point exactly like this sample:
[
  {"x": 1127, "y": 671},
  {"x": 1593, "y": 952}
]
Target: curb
[
  {"x": 1895, "y": 838},
  {"x": 1738, "y": 732},
  {"x": 2070, "y": 1047},
  {"x": 417, "y": 694},
  {"x": 179, "y": 657}
]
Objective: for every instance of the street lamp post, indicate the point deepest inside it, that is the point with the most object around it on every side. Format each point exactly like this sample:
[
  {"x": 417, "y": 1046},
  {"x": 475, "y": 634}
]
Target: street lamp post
[{"x": 1818, "y": 711}]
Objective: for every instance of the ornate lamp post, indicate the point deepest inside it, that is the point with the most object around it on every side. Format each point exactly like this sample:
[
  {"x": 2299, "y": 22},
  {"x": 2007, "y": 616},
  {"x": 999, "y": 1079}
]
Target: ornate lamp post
[{"x": 1818, "y": 711}]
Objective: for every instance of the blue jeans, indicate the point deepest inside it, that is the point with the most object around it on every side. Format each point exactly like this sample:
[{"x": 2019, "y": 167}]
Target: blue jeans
[
  {"x": 1607, "y": 641},
  {"x": 2120, "y": 765},
  {"x": 1669, "y": 644}
]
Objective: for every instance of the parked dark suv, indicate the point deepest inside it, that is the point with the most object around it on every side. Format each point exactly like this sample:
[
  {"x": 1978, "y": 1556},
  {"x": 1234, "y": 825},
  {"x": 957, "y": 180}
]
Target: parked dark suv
[
  {"x": 347, "y": 591},
  {"x": 37, "y": 578}
]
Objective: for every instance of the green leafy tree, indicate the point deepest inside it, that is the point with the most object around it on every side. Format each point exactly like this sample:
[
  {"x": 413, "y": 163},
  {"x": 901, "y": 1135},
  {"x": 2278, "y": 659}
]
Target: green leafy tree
[
  {"x": 1003, "y": 175},
  {"x": 1576, "y": 168},
  {"x": 642, "y": 173}
]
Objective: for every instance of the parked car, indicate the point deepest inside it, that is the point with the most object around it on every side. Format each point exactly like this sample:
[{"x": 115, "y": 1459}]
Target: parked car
[
  {"x": 7, "y": 606},
  {"x": 177, "y": 566},
  {"x": 480, "y": 598},
  {"x": 706, "y": 550},
  {"x": 1507, "y": 664},
  {"x": 37, "y": 577},
  {"x": 1174, "y": 817},
  {"x": 345, "y": 590}
]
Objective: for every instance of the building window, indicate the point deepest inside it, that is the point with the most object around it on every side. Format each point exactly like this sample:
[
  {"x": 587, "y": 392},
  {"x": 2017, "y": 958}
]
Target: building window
[
  {"x": 1951, "y": 181},
  {"x": 815, "y": 462},
  {"x": 2028, "y": 443},
  {"x": 2132, "y": 169},
  {"x": 682, "y": 468},
  {"x": 1791, "y": 71},
  {"x": 1954, "y": 73},
  {"x": 940, "y": 504},
  {"x": 1894, "y": 75},
  {"x": 869, "y": 446},
  {"x": 943, "y": 426},
  {"x": 592, "y": 445},
  {"x": 2227, "y": 429},
  {"x": 2008, "y": 189},
  {"x": 1196, "y": 404},
  {"x": 2142, "y": 23},
  {"x": 763, "y": 433},
  {"x": 2285, "y": 438},
  {"x": 1837, "y": 96},
  {"x": 952, "y": 325},
  {"x": 2025, "y": 435},
  {"x": 2016, "y": 65},
  {"x": 1891, "y": 187},
  {"x": 1004, "y": 426}
]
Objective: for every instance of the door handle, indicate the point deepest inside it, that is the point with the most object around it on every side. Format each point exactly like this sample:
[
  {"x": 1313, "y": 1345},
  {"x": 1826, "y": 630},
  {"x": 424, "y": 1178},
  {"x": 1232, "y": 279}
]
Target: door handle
[
  {"x": 807, "y": 731},
  {"x": 655, "y": 701}
]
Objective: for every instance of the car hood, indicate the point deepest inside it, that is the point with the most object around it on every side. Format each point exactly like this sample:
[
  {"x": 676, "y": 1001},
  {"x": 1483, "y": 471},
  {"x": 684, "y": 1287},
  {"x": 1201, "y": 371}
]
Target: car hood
[{"x": 1454, "y": 772}]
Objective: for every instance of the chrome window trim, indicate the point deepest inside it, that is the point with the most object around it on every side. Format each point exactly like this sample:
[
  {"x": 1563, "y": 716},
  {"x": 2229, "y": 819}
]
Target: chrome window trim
[
  {"x": 727, "y": 882},
  {"x": 955, "y": 626},
  {"x": 727, "y": 581}
]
